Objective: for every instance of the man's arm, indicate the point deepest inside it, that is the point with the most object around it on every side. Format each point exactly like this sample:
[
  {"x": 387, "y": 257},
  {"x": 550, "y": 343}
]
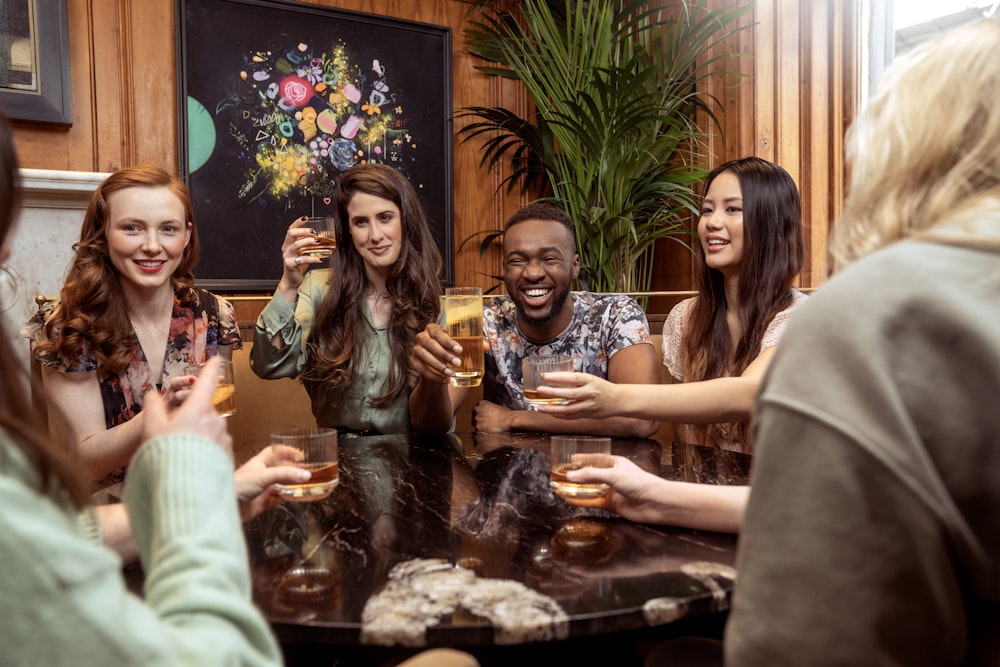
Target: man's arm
[{"x": 433, "y": 400}]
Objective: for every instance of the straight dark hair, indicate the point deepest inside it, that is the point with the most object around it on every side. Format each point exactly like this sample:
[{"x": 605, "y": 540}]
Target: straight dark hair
[{"x": 772, "y": 258}]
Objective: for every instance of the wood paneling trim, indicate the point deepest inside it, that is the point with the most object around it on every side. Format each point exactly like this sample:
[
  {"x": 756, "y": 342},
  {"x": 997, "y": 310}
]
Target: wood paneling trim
[
  {"x": 797, "y": 97},
  {"x": 800, "y": 95}
]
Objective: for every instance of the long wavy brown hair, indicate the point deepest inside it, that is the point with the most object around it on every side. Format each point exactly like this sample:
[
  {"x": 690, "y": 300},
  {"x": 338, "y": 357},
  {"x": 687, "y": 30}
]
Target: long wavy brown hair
[
  {"x": 91, "y": 304},
  {"x": 413, "y": 288},
  {"x": 21, "y": 421},
  {"x": 772, "y": 258}
]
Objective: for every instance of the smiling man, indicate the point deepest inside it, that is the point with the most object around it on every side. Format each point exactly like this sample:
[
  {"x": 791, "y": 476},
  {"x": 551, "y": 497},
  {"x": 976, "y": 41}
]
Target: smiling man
[{"x": 606, "y": 334}]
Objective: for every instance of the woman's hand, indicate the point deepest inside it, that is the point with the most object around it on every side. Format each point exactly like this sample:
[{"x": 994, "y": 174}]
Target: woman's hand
[
  {"x": 196, "y": 415},
  {"x": 293, "y": 265},
  {"x": 641, "y": 496},
  {"x": 255, "y": 478},
  {"x": 628, "y": 485},
  {"x": 589, "y": 396},
  {"x": 176, "y": 391}
]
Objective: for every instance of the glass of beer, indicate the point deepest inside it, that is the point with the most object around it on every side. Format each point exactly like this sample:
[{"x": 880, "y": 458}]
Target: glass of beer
[
  {"x": 224, "y": 399},
  {"x": 463, "y": 316},
  {"x": 319, "y": 449},
  {"x": 323, "y": 235},
  {"x": 572, "y": 452},
  {"x": 531, "y": 373}
]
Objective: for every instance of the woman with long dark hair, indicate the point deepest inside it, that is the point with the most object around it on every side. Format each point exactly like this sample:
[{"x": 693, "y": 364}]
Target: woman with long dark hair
[
  {"x": 347, "y": 330},
  {"x": 717, "y": 345}
]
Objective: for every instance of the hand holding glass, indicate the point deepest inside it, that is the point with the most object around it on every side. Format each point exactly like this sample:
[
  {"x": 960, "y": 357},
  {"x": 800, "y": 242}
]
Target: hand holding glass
[
  {"x": 224, "y": 399},
  {"x": 463, "y": 316},
  {"x": 531, "y": 372},
  {"x": 319, "y": 449},
  {"x": 573, "y": 452},
  {"x": 323, "y": 235}
]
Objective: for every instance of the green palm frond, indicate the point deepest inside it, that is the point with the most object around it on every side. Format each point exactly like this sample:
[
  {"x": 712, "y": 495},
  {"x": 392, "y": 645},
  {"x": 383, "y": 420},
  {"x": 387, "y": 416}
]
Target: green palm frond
[{"x": 614, "y": 139}]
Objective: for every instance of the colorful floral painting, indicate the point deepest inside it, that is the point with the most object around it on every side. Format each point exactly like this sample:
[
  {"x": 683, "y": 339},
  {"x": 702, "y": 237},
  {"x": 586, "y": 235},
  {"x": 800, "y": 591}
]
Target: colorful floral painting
[
  {"x": 310, "y": 113},
  {"x": 277, "y": 99}
]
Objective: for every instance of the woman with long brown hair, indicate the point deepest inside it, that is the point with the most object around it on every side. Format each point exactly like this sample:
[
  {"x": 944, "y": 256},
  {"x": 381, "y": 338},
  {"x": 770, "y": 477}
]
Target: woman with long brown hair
[
  {"x": 716, "y": 346},
  {"x": 347, "y": 330},
  {"x": 129, "y": 318}
]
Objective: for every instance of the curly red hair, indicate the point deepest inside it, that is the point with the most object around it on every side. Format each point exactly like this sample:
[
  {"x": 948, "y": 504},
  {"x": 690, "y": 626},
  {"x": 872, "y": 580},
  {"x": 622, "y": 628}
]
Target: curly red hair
[{"x": 92, "y": 306}]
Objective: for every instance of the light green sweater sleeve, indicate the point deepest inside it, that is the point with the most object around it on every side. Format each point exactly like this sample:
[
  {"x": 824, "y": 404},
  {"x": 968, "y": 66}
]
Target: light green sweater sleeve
[
  {"x": 182, "y": 506},
  {"x": 62, "y": 595}
]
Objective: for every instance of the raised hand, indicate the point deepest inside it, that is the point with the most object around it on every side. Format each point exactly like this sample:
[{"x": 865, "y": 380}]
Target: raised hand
[{"x": 294, "y": 266}]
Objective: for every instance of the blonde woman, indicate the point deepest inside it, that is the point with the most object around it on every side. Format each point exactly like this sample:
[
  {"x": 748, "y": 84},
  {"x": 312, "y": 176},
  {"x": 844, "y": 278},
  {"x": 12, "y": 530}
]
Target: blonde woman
[{"x": 871, "y": 536}]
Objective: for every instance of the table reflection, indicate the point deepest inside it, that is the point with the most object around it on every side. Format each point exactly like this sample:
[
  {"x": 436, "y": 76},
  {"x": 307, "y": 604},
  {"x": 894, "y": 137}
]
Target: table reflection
[{"x": 460, "y": 540}]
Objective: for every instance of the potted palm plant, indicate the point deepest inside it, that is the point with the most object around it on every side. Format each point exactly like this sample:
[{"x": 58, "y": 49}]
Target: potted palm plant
[{"x": 614, "y": 138}]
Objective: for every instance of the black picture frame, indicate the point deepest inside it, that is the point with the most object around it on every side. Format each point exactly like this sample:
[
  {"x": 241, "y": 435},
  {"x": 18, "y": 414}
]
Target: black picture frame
[
  {"x": 255, "y": 159},
  {"x": 52, "y": 102}
]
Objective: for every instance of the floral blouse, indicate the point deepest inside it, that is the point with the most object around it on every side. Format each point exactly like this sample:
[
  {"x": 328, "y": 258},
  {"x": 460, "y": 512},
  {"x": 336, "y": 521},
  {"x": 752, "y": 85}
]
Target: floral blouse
[
  {"x": 197, "y": 328},
  {"x": 602, "y": 325}
]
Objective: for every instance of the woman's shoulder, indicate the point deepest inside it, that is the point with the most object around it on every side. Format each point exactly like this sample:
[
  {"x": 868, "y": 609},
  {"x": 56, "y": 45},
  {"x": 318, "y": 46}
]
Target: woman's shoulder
[
  {"x": 678, "y": 315},
  {"x": 201, "y": 300},
  {"x": 316, "y": 281},
  {"x": 34, "y": 329},
  {"x": 776, "y": 327}
]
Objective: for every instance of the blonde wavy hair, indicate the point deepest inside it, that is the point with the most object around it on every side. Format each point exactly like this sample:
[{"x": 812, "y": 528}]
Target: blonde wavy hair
[{"x": 924, "y": 156}]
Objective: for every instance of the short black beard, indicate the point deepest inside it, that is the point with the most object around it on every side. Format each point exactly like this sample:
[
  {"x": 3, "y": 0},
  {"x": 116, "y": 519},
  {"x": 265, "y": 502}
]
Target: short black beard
[{"x": 546, "y": 319}]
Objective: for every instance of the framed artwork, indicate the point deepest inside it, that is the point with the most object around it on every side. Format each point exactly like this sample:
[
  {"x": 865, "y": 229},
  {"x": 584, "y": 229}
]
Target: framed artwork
[
  {"x": 277, "y": 99},
  {"x": 34, "y": 61}
]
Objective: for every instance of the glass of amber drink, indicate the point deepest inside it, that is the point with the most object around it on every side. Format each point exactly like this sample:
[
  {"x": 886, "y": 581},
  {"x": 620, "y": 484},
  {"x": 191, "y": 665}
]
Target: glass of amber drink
[
  {"x": 572, "y": 452},
  {"x": 323, "y": 235},
  {"x": 224, "y": 399},
  {"x": 463, "y": 316},
  {"x": 531, "y": 374},
  {"x": 319, "y": 449}
]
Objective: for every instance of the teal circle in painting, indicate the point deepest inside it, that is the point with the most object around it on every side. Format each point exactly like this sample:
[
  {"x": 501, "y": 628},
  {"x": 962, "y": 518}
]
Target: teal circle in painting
[{"x": 200, "y": 135}]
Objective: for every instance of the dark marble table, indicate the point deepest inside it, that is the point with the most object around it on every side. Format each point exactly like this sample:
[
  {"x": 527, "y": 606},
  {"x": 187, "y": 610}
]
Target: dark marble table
[{"x": 460, "y": 541}]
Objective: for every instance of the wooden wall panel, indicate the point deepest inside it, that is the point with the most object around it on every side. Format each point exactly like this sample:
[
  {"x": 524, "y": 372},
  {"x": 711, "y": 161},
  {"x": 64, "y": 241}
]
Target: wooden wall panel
[
  {"x": 111, "y": 98},
  {"x": 793, "y": 95},
  {"x": 791, "y": 104}
]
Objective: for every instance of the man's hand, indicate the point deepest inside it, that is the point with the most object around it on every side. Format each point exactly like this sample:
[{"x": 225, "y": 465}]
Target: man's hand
[
  {"x": 491, "y": 417},
  {"x": 433, "y": 352}
]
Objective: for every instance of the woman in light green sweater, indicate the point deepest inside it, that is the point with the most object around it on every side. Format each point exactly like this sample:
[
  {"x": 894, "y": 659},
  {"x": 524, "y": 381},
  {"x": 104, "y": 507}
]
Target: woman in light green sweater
[{"x": 62, "y": 596}]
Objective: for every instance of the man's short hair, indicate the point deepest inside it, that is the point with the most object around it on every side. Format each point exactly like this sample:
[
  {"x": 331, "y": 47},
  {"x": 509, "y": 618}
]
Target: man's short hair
[{"x": 542, "y": 211}]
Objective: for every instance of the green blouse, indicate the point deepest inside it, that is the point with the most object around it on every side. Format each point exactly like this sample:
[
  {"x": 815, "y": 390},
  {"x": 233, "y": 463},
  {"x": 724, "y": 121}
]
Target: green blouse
[{"x": 342, "y": 408}]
